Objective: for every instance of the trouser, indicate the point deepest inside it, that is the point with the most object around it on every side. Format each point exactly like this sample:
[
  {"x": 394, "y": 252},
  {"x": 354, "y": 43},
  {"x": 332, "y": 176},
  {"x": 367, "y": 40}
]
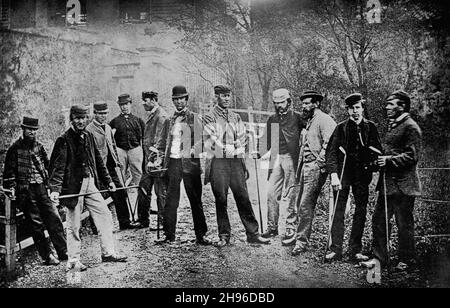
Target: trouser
[
  {"x": 132, "y": 160},
  {"x": 402, "y": 207},
  {"x": 41, "y": 214},
  {"x": 229, "y": 173},
  {"x": 283, "y": 175},
  {"x": 193, "y": 187},
  {"x": 311, "y": 183},
  {"x": 144, "y": 199},
  {"x": 120, "y": 200},
  {"x": 101, "y": 215},
  {"x": 360, "y": 191}
]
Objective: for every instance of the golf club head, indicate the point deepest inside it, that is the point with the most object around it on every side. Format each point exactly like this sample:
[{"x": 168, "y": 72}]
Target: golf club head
[{"x": 375, "y": 150}]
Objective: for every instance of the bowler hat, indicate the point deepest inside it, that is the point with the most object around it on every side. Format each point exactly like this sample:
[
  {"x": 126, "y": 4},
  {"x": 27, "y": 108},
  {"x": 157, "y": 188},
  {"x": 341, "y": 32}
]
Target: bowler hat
[
  {"x": 280, "y": 95},
  {"x": 101, "y": 107},
  {"x": 179, "y": 91},
  {"x": 149, "y": 94},
  {"x": 313, "y": 94},
  {"x": 78, "y": 110},
  {"x": 124, "y": 99},
  {"x": 31, "y": 123},
  {"x": 353, "y": 99},
  {"x": 222, "y": 89}
]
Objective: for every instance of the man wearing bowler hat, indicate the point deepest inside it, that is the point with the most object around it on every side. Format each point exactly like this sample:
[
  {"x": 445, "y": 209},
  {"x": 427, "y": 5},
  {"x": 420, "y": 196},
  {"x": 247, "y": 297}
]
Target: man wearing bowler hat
[
  {"x": 106, "y": 144},
  {"x": 225, "y": 167},
  {"x": 284, "y": 160},
  {"x": 402, "y": 148},
  {"x": 26, "y": 173},
  {"x": 129, "y": 131},
  {"x": 76, "y": 167},
  {"x": 182, "y": 144},
  {"x": 155, "y": 127},
  {"x": 360, "y": 140},
  {"x": 312, "y": 167}
]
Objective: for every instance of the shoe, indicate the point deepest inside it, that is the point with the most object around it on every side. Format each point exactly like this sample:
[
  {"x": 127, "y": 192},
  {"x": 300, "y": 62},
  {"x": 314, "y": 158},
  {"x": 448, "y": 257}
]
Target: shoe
[
  {"x": 77, "y": 265},
  {"x": 165, "y": 240},
  {"x": 270, "y": 233},
  {"x": 222, "y": 243},
  {"x": 332, "y": 256},
  {"x": 203, "y": 241},
  {"x": 63, "y": 257},
  {"x": 298, "y": 249},
  {"x": 258, "y": 240},
  {"x": 51, "y": 260},
  {"x": 360, "y": 257},
  {"x": 289, "y": 241},
  {"x": 138, "y": 225},
  {"x": 114, "y": 258},
  {"x": 289, "y": 234},
  {"x": 369, "y": 264},
  {"x": 130, "y": 225}
]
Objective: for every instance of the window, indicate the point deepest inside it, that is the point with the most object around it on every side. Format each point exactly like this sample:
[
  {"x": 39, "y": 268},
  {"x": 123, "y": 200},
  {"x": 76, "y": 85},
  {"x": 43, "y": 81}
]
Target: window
[{"x": 4, "y": 14}]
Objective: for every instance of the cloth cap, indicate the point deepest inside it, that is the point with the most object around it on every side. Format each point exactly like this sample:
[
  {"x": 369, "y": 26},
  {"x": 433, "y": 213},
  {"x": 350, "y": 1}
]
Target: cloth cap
[
  {"x": 280, "y": 95},
  {"x": 353, "y": 99},
  {"x": 222, "y": 89},
  {"x": 149, "y": 94},
  {"x": 79, "y": 110},
  {"x": 124, "y": 99},
  {"x": 101, "y": 107}
]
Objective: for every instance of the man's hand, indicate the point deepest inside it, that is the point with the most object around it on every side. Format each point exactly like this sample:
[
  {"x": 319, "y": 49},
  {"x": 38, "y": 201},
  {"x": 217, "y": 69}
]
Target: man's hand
[
  {"x": 11, "y": 193},
  {"x": 112, "y": 187},
  {"x": 335, "y": 182},
  {"x": 381, "y": 161},
  {"x": 54, "y": 196}
]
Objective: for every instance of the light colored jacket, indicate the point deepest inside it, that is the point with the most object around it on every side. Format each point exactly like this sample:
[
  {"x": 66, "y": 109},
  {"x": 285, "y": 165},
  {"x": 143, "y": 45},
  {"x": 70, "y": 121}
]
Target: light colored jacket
[{"x": 104, "y": 139}]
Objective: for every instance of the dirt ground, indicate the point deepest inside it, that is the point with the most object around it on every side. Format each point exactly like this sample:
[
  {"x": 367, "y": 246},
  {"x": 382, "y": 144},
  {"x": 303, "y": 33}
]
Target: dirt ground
[{"x": 185, "y": 264}]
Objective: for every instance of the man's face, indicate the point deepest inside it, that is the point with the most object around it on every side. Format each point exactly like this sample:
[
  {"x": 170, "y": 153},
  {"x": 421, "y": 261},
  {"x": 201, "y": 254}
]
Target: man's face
[
  {"x": 308, "y": 107},
  {"x": 180, "y": 103},
  {"x": 280, "y": 107},
  {"x": 356, "y": 111},
  {"x": 125, "y": 108},
  {"x": 393, "y": 109},
  {"x": 28, "y": 133},
  {"x": 100, "y": 117},
  {"x": 149, "y": 104},
  {"x": 80, "y": 122},
  {"x": 224, "y": 100}
]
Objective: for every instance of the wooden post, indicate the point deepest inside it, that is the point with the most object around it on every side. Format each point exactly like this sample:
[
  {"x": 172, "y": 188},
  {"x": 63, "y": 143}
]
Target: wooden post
[{"x": 10, "y": 236}]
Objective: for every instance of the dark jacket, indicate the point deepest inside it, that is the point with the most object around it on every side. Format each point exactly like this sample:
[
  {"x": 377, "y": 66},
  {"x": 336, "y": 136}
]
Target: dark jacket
[
  {"x": 404, "y": 143},
  {"x": 339, "y": 138},
  {"x": 65, "y": 175},
  {"x": 190, "y": 164},
  {"x": 290, "y": 126},
  {"x": 156, "y": 126},
  {"x": 18, "y": 164},
  {"x": 129, "y": 131}
]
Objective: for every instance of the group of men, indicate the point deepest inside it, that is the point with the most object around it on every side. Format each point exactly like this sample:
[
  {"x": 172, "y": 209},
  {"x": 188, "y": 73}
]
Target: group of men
[{"x": 164, "y": 150}]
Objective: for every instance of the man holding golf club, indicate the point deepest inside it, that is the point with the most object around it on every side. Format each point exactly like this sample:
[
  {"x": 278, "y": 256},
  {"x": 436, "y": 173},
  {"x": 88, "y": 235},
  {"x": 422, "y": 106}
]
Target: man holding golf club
[
  {"x": 283, "y": 164},
  {"x": 76, "y": 167},
  {"x": 106, "y": 145},
  {"x": 155, "y": 126},
  {"x": 350, "y": 161},
  {"x": 399, "y": 183},
  {"x": 312, "y": 167}
]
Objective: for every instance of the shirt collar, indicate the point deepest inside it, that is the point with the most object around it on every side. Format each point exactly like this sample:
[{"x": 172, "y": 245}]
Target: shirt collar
[
  {"x": 357, "y": 123},
  {"x": 221, "y": 111},
  {"x": 98, "y": 123}
]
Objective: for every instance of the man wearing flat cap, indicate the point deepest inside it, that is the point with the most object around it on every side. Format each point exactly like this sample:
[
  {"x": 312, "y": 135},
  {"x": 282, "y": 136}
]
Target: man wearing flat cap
[
  {"x": 76, "y": 167},
  {"x": 225, "y": 167},
  {"x": 402, "y": 146},
  {"x": 181, "y": 142},
  {"x": 311, "y": 169},
  {"x": 106, "y": 144},
  {"x": 359, "y": 139},
  {"x": 129, "y": 131},
  {"x": 26, "y": 173},
  {"x": 155, "y": 126},
  {"x": 284, "y": 152}
]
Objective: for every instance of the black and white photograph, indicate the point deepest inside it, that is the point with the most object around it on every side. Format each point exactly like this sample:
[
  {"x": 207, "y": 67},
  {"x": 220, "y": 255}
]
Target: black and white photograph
[{"x": 224, "y": 150}]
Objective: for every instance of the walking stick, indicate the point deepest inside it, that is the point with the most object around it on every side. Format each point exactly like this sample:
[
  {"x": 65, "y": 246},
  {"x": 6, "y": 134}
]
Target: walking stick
[
  {"x": 128, "y": 197},
  {"x": 386, "y": 213},
  {"x": 94, "y": 192},
  {"x": 259, "y": 199},
  {"x": 335, "y": 203}
]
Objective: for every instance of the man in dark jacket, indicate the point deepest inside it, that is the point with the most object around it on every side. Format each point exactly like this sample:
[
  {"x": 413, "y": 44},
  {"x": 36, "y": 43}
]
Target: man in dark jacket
[
  {"x": 156, "y": 124},
  {"x": 358, "y": 137},
  {"x": 181, "y": 148},
  {"x": 284, "y": 155},
  {"x": 225, "y": 167},
  {"x": 76, "y": 167},
  {"x": 26, "y": 172},
  {"x": 106, "y": 145},
  {"x": 402, "y": 146}
]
